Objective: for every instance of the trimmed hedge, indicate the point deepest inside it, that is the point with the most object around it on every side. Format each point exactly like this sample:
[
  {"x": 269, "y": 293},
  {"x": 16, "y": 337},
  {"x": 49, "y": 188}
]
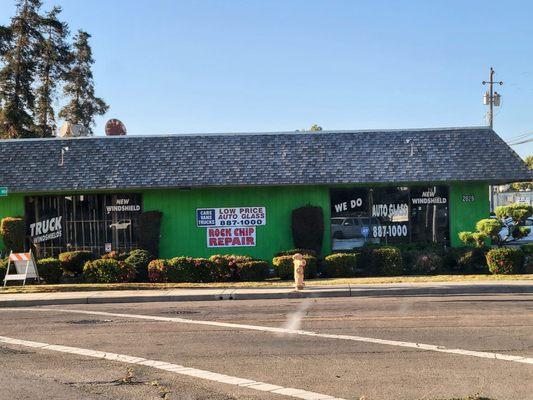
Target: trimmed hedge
[
  {"x": 139, "y": 260},
  {"x": 296, "y": 251},
  {"x": 284, "y": 267},
  {"x": 225, "y": 266},
  {"x": 13, "y": 232},
  {"x": 387, "y": 261},
  {"x": 220, "y": 268},
  {"x": 157, "y": 271},
  {"x": 108, "y": 271},
  {"x": 427, "y": 264},
  {"x": 505, "y": 260},
  {"x": 527, "y": 249},
  {"x": 473, "y": 260},
  {"x": 340, "y": 265},
  {"x": 254, "y": 270},
  {"x": 73, "y": 262},
  {"x": 50, "y": 270},
  {"x": 115, "y": 256},
  {"x": 3, "y": 269},
  {"x": 180, "y": 269}
]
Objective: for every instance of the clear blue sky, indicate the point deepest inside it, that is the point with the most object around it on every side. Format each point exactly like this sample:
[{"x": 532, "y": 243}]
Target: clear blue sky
[{"x": 168, "y": 66}]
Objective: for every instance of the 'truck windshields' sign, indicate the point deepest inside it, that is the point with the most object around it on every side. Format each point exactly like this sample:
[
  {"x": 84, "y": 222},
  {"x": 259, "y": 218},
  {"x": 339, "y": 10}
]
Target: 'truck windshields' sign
[
  {"x": 47, "y": 229},
  {"x": 230, "y": 216}
]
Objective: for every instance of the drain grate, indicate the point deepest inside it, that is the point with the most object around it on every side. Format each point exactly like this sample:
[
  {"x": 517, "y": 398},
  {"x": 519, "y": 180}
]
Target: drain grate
[{"x": 89, "y": 321}]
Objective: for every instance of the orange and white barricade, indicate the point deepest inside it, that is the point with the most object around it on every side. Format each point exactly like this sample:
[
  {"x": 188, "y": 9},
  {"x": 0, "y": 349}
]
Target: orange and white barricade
[{"x": 20, "y": 267}]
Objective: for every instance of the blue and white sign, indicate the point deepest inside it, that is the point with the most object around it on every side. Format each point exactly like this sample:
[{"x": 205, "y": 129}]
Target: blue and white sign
[
  {"x": 365, "y": 230},
  {"x": 230, "y": 216},
  {"x": 205, "y": 217}
]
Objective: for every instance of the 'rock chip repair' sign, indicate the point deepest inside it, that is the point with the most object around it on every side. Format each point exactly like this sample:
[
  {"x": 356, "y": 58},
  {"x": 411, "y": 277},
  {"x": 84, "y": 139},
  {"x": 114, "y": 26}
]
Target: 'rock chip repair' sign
[{"x": 230, "y": 237}]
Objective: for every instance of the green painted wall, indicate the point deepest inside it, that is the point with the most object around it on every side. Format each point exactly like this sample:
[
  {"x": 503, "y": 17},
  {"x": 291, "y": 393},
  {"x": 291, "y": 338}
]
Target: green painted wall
[
  {"x": 11, "y": 206},
  {"x": 180, "y": 236},
  {"x": 464, "y": 215}
]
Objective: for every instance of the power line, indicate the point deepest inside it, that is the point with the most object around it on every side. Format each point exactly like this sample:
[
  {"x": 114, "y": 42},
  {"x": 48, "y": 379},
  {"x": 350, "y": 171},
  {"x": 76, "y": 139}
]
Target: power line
[
  {"x": 519, "y": 137},
  {"x": 522, "y": 142}
]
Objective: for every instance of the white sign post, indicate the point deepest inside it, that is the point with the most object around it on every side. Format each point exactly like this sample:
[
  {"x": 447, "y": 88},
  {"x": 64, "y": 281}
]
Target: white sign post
[{"x": 24, "y": 268}]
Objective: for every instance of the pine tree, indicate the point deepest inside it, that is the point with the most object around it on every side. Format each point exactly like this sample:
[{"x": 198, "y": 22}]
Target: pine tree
[
  {"x": 54, "y": 61},
  {"x": 83, "y": 105},
  {"x": 19, "y": 45}
]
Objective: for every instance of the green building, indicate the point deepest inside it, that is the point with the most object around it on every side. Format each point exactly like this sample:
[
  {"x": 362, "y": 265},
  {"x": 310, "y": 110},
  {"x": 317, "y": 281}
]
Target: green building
[{"x": 235, "y": 193}]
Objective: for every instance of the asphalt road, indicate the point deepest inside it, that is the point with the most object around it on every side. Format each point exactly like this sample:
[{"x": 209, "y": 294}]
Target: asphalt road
[{"x": 336, "y": 355}]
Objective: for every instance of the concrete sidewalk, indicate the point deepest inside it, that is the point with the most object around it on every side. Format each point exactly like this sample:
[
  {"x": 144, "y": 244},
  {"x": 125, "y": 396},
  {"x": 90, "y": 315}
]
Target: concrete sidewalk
[{"x": 205, "y": 294}]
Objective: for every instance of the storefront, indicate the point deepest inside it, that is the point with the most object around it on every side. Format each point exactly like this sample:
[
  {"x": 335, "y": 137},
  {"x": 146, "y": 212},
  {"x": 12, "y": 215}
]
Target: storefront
[{"x": 236, "y": 193}]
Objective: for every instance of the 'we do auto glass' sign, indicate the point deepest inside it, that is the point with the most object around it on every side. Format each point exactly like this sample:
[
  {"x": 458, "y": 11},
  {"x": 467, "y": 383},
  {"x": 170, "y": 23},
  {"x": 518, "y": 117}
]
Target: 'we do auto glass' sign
[{"x": 230, "y": 216}]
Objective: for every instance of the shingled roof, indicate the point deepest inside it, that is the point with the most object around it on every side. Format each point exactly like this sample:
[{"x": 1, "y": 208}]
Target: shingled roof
[{"x": 291, "y": 158}]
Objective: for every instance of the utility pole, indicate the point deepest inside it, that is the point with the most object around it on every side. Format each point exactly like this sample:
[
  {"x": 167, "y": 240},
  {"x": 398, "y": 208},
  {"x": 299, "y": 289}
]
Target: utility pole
[{"x": 491, "y": 98}]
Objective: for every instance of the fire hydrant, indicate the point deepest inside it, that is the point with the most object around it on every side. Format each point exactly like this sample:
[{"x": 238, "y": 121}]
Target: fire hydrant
[{"x": 299, "y": 268}]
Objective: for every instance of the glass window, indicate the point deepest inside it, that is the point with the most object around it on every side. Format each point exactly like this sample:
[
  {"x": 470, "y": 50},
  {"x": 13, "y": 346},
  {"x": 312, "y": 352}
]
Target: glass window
[
  {"x": 83, "y": 222},
  {"x": 389, "y": 214}
]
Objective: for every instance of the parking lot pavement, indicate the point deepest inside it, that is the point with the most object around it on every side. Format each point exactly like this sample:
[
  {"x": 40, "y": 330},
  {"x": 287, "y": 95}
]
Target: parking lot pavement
[{"x": 379, "y": 348}]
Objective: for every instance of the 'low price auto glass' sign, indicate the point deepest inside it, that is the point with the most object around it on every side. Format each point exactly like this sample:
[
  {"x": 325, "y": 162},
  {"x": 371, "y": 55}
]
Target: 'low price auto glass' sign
[{"x": 230, "y": 216}]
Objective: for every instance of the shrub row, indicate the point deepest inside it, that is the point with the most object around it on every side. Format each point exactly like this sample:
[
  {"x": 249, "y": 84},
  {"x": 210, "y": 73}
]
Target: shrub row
[
  {"x": 218, "y": 268},
  {"x": 415, "y": 259}
]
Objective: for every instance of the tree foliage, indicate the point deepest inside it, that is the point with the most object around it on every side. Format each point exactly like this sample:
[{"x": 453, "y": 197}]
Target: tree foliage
[
  {"x": 505, "y": 228},
  {"x": 20, "y": 50},
  {"x": 83, "y": 104},
  {"x": 525, "y": 185},
  {"x": 52, "y": 67},
  {"x": 35, "y": 61}
]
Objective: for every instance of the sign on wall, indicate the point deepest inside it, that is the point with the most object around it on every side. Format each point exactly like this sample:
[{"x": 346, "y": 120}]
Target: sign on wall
[
  {"x": 47, "y": 229},
  {"x": 230, "y": 216},
  {"x": 230, "y": 237},
  {"x": 123, "y": 204}
]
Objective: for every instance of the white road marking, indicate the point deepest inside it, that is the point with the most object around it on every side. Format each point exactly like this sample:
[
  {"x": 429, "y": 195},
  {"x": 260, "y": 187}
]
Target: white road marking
[
  {"x": 418, "y": 346},
  {"x": 175, "y": 368}
]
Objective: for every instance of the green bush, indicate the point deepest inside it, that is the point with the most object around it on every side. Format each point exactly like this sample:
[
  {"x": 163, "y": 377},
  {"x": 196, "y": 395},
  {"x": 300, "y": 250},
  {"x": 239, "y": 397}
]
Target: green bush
[
  {"x": 427, "y": 263},
  {"x": 254, "y": 270},
  {"x": 308, "y": 227},
  {"x": 73, "y": 262},
  {"x": 150, "y": 231},
  {"x": 50, "y": 270},
  {"x": 157, "y": 271},
  {"x": 284, "y": 267},
  {"x": 139, "y": 260},
  {"x": 527, "y": 249},
  {"x": 115, "y": 256},
  {"x": 3, "y": 269},
  {"x": 13, "y": 231},
  {"x": 296, "y": 251},
  {"x": 505, "y": 260},
  {"x": 340, "y": 265},
  {"x": 203, "y": 270},
  {"x": 473, "y": 260},
  {"x": 108, "y": 271},
  {"x": 388, "y": 261},
  {"x": 180, "y": 269},
  {"x": 225, "y": 268},
  {"x": 365, "y": 260}
]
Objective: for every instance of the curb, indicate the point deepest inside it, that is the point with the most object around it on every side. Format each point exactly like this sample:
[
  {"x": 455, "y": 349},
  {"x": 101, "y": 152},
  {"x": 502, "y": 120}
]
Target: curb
[{"x": 259, "y": 294}]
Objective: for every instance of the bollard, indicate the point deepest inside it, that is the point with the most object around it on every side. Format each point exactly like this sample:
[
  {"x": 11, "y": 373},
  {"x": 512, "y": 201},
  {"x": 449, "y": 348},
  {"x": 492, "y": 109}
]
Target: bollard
[{"x": 299, "y": 267}]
